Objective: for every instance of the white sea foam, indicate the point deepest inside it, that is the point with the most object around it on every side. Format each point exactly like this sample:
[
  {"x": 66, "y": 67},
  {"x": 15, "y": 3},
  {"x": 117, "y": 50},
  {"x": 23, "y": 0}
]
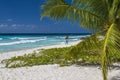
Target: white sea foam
[
  {"x": 14, "y": 38},
  {"x": 23, "y": 38},
  {"x": 75, "y": 39},
  {"x": 21, "y": 42},
  {"x": 60, "y": 37},
  {"x": 78, "y": 37},
  {"x": 62, "y": 43},
  {"x": 70, "y": 37},
  {"x": 1, "y": 38},
  {"x": 29, "y": 38}
]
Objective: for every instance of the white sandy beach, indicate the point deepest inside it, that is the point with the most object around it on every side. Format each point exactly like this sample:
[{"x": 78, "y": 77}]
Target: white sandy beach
[{"x": 50, "y": 72}]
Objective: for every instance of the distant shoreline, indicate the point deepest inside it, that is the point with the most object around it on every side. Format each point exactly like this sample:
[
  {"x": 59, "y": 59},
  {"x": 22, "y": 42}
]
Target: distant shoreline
[{"x": 45, "y": 33}]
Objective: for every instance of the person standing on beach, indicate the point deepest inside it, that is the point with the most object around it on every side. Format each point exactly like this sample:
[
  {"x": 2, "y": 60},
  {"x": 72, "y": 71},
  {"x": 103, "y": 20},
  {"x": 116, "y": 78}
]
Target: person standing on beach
[{"x": 66, "y": 38}]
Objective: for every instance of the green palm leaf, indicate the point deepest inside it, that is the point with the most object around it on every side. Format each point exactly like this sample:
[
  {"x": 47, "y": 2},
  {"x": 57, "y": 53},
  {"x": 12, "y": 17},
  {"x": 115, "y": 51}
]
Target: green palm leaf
[
  {"x": 113, "y": 13},
  {"x": 98, "y": 7},
  {"x": 111, "y": 46},
  {"x": 59, "y": 10},
  {"x": 91, "y": 45}
]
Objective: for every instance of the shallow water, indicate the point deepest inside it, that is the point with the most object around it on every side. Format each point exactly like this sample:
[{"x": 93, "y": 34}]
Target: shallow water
[{"x": 19, "y": 42}]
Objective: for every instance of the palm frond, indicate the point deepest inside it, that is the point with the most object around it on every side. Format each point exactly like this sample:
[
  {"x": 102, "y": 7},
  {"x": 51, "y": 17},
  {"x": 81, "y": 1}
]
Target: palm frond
[
  {"x": 98, "y": 7},
  {"x": 113, "y": 13},
  {"x": 59, "y": 10},
  {"x": 108, "y": 3},
  {"x": 111, "y": 46},
  {"x": 89, "y": 45}
]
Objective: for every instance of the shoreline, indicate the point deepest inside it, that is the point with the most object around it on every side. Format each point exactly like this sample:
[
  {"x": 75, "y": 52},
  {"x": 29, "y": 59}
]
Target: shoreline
[{"x": 9, "y": 54}]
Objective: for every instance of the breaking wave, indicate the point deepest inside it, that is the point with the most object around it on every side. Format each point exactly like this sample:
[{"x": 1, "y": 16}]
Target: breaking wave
[{"x": 21, "y": 42}]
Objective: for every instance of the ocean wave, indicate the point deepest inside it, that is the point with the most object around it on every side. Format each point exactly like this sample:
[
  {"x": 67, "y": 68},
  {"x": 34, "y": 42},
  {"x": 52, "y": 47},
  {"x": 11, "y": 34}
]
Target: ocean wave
[
  {"x": 59, "y": 37},
  {"x": 62, "y": 43},
  {"x": 1, "y": 38},
  {"x": 75, "y": 39},
  {"x": 29, "y": 38},
  {"x": 70, "y": 37},
  {"x": 21, "y": 42},
  {"x": 17, "y": 38}
]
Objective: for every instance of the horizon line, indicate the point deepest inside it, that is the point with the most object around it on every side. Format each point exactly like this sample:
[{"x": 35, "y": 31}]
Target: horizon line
[{"x": 41, "y": 33}]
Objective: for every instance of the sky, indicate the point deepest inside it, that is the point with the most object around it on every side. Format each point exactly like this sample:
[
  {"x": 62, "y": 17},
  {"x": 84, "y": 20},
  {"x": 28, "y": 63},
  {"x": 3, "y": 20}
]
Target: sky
[{"x": 23, "y": 16}]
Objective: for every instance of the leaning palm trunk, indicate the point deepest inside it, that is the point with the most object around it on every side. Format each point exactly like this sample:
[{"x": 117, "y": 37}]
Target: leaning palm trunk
[{"x": 95, "y": 15}]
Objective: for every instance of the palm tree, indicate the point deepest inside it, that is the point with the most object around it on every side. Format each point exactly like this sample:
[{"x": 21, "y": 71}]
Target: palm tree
[{"x": 102, "y": 16}]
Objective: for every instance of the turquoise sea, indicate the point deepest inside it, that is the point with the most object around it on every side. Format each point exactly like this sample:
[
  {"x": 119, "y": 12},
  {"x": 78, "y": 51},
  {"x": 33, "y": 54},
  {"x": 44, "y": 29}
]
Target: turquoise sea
[{"x": 19, "y": 42}]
